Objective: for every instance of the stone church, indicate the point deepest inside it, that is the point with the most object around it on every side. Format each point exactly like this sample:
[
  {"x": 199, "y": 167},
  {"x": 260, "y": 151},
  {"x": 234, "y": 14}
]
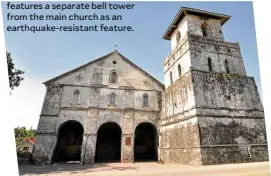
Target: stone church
[{"x": 110, "y": 110}]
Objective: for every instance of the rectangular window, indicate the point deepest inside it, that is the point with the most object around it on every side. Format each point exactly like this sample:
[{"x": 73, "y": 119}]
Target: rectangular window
[{"x": 25, "y": 148}]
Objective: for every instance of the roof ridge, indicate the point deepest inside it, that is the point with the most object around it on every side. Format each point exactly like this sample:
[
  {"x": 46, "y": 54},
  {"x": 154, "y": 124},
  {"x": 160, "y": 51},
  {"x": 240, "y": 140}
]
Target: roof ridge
[
  {"x": 146, "y": 73},
  {"x": 104, "y": 57},
  {"x": 77, "y": 68},
  {"x": 186, "y": 10}
]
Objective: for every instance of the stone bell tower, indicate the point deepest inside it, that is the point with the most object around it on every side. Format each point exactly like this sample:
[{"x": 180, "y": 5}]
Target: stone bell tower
[{"x": 212, "y": 112}]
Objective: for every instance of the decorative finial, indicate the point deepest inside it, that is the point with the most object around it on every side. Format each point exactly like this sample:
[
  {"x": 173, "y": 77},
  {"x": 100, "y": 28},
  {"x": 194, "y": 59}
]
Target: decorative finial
[{"x": 116, "y": 47}]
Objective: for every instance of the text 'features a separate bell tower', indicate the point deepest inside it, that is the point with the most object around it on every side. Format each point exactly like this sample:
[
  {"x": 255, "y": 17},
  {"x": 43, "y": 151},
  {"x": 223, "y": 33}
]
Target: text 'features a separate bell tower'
[{"x": 209, "y": 102}]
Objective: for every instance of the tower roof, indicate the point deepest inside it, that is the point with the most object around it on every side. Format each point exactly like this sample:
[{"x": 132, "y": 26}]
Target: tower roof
[{"x": 186, "y": 10}]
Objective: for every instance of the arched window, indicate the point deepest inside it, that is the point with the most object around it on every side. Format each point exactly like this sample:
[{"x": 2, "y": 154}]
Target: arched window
[
  {"x": 113, "y": 77},
  {"x": 205, "y": 29},
  {"x": 179, "y": 70},
  {"x": 112, "y": 99},
  {"x": 171, "y": 79},
  {"x": 145, "y": 100},
  {"x": 210, "y": 64},
  {"x": 75, "y": 98},
  {"x": 178, "y": 37},
  {"x": 227, "y": 66}
]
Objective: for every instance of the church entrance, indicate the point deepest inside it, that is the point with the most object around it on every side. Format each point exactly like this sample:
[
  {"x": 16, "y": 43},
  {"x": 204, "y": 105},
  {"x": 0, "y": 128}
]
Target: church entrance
[
  {"x": 70, "y": 137},
  {"x": 108, "y": 146},
  {"x": 145, "y": 144}
]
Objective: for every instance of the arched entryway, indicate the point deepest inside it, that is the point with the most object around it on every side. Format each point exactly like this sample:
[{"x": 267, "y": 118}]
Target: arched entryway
[
  {"x": 145, "y": 144},
  {"x": 69, "y": 142},
  {"x": 108, "y": 146}
]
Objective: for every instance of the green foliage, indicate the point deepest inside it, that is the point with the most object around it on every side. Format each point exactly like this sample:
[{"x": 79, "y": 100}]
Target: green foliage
[
  {"x": 14, "y": 75},
  {"x": 22, "y": 133}
]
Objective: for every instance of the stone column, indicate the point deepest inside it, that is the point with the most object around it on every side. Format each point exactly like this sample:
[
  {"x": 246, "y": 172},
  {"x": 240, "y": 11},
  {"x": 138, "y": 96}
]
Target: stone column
[
  {"x": 127, "y": 139},
  {"x": 44, "y": 148},
  {"x": 88, "y": 148},
  {"x": 127, "y": 148}
]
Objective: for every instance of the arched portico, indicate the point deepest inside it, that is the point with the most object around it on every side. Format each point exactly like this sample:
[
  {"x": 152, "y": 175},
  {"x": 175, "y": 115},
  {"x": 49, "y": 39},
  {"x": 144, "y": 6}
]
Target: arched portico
[
  {"x": 69, "y": 142},
  {"x": 108, "y": 145},
  {"x": 145, "y": 142}
]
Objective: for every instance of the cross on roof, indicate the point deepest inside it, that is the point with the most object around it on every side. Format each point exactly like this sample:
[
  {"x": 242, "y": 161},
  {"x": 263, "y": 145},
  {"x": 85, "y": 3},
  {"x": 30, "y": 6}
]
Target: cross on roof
[{"x": 116, "y": 47}]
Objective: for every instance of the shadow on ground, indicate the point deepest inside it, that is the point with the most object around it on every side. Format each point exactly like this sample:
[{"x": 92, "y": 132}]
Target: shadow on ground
[{"x": 70, "y": 168}]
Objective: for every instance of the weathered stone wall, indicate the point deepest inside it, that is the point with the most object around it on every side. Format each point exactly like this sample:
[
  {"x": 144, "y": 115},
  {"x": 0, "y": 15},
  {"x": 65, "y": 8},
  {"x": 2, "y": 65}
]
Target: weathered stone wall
[
  {"x": 193, "y": 52},
  {"x": 179, "y": 135},
  {"x": 228, "y": 107},
  {"x": 218, "y": 138},
  {"x": 194, "y": 26},
  {"x": 44, "y": 148},
  {"x": 202, "y": 48},
  {"x": 180, "y": 88},
  {"x": 179, "y": 56},
  {"x": 180, "y": 143},
  {"x": 52, "y": 100},
  {"x": 226, "y": 94}
]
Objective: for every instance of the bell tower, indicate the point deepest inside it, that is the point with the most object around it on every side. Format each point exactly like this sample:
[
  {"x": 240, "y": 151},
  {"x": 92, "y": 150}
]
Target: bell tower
[{"x": 211, "y": 108}]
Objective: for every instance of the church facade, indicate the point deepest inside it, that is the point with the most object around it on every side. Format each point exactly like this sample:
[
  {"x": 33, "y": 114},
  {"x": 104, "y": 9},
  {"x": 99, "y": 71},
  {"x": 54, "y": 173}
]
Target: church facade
[{"x": 110, "y": 110}]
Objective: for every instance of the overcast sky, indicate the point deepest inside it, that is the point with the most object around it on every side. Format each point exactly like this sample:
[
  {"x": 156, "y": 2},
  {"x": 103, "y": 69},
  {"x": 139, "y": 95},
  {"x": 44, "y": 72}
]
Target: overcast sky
[{"x": 48, "y": 54}]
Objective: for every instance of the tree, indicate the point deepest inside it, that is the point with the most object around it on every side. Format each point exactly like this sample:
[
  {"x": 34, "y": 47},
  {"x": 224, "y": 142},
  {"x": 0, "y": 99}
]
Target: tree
[
  {"x": 14, "y": 75},
  {"x": 22, "y": 133}
]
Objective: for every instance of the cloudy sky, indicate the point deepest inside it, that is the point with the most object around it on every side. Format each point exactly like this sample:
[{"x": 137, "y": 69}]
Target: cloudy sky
[{"x": 47, "y": 54}]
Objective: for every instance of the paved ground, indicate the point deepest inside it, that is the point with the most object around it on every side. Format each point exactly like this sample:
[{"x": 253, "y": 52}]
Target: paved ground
[{"x": 146, "y": 169}]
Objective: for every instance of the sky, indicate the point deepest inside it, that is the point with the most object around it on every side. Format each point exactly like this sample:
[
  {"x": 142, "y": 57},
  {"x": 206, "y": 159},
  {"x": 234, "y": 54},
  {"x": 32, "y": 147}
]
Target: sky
[{"x": 45, "y": 55}]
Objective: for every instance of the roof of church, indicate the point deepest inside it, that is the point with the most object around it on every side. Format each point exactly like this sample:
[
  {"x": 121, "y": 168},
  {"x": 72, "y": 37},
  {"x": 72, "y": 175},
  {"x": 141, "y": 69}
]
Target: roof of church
[
  {"x": 186, "y": 10},
  {"x": 102, "y": 58}
]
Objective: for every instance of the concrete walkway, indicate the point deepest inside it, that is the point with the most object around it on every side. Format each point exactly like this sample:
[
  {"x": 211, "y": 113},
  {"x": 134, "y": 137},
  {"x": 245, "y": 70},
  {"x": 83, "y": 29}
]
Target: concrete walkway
[{"x": 146, "y": 169}]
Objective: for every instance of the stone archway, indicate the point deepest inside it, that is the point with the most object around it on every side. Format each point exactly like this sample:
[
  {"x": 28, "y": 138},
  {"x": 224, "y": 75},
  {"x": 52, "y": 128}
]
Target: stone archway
[
  {"x": 69, "y": 142},
  {"x": 108, "y": 145},
  {"x": 145, "y": 143}
]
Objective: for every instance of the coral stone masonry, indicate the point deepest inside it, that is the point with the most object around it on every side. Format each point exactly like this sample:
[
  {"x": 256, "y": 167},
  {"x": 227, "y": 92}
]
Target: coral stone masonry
[{"x": 110, "y": 110}]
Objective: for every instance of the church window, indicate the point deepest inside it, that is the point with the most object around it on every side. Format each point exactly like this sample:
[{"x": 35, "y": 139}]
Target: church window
[
  {"x": 179, "y": 70},
  {"x": 227, "y": 66},
  {"x": 75, "y": 99},
  {"x": 205, "y": 29},
  {"x": 178, "y": 37},
  {"x": 145, "y": 100},
  {"x": 113, "y": 77},
  {"x": 204, "y": 32},
  {"x": 171, "y": 79},
  {"x": 210, "y": 64},
  {"x": 112, "y": 99}
]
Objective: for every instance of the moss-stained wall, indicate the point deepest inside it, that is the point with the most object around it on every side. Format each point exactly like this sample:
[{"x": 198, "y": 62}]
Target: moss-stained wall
[
  {"x": 225, "y": 91},
  {"x": 52, "y": 100},
  {"x": 179, "y": 97},
  {"x": 228, "y": 107},
  {"x": 180, "y": 143},
  {"x": 219, "y": 136}
]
